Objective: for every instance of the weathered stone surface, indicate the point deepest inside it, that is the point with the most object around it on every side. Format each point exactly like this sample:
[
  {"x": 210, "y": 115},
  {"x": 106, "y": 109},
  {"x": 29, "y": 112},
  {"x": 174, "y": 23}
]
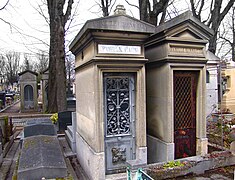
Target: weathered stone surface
[
  {"x": 117, "y": 23},
  {"x": 39, "y": 129},
  {"x": 38, "y": 121},
  {"x": 41, "y": 156}
]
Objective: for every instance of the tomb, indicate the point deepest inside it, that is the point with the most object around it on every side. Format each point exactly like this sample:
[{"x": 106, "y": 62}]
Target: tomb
[
  {"x": 41, "y": 156},
  {"x": 28, "y": 91},
  {"x": 119, "y": 60},
  {"x": 176, "y": 89},
  {"x": 110, "y": 94}
]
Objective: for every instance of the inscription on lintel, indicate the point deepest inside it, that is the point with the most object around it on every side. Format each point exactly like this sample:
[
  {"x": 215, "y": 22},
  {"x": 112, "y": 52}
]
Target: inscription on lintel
[
  {"x": 191, "y": 50},
  {"x": 118, "y": 49}
]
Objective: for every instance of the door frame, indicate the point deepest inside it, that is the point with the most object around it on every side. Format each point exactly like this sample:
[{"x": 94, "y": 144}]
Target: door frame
[
  {"x": 125, "y": 138},
  {"x": 188, "y": 131}
]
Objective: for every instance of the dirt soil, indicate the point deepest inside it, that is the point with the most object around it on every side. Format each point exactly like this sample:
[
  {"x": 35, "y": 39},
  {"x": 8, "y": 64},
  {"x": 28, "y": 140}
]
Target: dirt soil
[{"x": 226, "y": 173}]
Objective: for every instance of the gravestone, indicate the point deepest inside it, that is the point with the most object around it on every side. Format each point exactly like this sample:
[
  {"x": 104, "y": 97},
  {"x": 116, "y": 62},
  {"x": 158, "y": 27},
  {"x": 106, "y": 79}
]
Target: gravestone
[
  {"x": 64, "y": 120},
  {"x": 71, "y": 103},
  {"x": 39, "y": 129},
  {"x": 38, "y": 121},
  {"x": 41, "y": 156}
]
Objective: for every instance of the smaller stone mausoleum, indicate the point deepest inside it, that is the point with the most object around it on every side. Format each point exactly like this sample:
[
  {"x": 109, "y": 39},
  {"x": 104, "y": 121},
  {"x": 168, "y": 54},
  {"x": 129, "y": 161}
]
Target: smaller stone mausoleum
[
  {"x": 176, "y": 89},
  {"x": 28, "y": 91}
]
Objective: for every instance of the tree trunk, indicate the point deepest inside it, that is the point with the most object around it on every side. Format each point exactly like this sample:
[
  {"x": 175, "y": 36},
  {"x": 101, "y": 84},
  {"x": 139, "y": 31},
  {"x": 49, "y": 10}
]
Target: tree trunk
[
  {"x": 233, "y": 32},
  {"x": 152, "y": 16},
  {"x": 57, "y": 75}
]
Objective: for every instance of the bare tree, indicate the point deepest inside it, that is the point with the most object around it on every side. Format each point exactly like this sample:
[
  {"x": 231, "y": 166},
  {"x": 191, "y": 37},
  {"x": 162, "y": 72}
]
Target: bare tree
[
  {"x": 4, "y": 6},
  {"x": 2, "y": 62},
  {"x": 27, "y": 63},
  {"x": 216, "y": 16},
  {"x": 42, "y": 62},
  {"x": 59, "y": 13},
  {"x": 106, "y": 6},
  {"x": 227, "y": 34},
  {"x": 12, "y": 68},
  {"x": 151, "y": 14},
  {"x": 70, "y": 66}
]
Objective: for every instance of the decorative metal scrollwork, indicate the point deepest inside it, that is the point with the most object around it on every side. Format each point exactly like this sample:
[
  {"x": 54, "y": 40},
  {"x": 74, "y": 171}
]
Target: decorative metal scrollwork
[
  {"x": 118, "y": 105},
  {"x": 118, "y": 155}
]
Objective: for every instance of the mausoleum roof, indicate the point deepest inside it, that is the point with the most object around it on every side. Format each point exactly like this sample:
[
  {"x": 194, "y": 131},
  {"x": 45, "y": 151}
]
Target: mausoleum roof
[
  {"x": 115, "y": 23},
  {"x": 186, "y": 17},
  {"x": 29, "y": 71}
]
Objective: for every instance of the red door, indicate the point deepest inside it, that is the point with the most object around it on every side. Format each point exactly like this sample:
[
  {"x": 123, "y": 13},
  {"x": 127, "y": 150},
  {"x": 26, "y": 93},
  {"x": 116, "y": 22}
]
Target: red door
[{"x": 185, "y": 85}]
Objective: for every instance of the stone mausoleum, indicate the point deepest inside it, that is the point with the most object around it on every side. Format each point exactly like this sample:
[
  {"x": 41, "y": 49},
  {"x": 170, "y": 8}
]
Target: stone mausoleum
[
  {"x": 176, "y": 89},
  {"x": 140, "y": 92},
  {"x": 28, "y": 91}
]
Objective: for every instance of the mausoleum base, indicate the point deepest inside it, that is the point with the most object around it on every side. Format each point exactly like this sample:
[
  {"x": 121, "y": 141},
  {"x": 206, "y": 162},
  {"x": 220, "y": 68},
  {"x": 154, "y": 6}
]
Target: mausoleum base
[
  {"x": 202, "y": 146},
  {"x": 159, "y": 151},
  {"x": 92, "y": 162}
]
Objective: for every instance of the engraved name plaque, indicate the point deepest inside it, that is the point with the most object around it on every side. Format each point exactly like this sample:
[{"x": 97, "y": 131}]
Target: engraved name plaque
[
  {"x": 118, "y": 49},
  {"x": 186, "y": 50}
]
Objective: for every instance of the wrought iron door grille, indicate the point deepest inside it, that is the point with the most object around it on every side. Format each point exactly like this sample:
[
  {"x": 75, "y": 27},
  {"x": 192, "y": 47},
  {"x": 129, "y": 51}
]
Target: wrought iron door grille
[
  {"x": 183, "y": 105},
  {"x": 117, "y": 105}
]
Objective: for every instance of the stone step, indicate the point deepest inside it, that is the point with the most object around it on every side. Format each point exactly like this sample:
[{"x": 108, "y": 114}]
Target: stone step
[
  {"x": 70, "y": 130},
  {"x": 70, "y": 140}
]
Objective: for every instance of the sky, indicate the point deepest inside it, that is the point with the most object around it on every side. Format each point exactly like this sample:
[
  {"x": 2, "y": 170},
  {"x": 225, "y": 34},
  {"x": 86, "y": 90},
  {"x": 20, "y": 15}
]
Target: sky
[{"x": 29, "y": 31}]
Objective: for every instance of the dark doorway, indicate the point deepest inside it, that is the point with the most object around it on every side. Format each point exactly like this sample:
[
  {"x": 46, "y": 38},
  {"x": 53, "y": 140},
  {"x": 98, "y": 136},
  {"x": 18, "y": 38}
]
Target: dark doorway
[
  {"x": 185, "y": 88},
  {"x": 28, "y": 97}
]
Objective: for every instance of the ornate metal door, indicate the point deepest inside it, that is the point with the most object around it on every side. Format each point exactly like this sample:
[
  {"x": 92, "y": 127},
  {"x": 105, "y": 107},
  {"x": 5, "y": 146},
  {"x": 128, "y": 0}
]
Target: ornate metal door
[
  {"x": 185, "y": 84},
  {"x": 119, "y": 112}
]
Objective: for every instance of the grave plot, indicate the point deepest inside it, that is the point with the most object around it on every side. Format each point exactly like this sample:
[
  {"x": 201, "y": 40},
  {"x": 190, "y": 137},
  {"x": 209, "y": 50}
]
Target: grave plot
[{"x": 41, "y": 156}]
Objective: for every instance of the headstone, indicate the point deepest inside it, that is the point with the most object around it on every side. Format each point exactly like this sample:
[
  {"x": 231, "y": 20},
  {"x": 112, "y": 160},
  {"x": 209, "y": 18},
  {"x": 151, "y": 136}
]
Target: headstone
[
  {"x": 38, "y": 121},
  {"x": 71, "y": 103},
  {"x": 41, "y": 156},
  {"x": 64, "y": 120},
  {"x": 39, "y": 129}
]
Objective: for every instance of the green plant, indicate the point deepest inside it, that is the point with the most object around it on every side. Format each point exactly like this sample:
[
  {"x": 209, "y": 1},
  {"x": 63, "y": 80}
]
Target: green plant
[
  {"x": 54, "y": 118},
  {"x": 172, "y": 164}
]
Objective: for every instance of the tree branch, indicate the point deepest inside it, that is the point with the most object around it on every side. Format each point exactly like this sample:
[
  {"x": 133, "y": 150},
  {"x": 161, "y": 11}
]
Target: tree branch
[
  {"x": 4, "y": 5},
  {"x": 131, "y": 4},
  {"x": 226, "y": 9},
  {"x": 68, "y": 11}
]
